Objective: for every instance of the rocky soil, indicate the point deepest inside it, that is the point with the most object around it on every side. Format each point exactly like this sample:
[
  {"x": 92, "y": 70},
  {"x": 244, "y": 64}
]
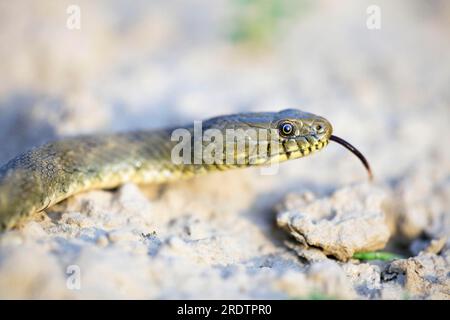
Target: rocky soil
[{"x": 292, "y": 234}]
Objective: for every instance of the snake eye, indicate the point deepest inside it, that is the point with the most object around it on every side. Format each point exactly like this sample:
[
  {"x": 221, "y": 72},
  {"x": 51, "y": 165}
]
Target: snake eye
[
  {"x": 318, "y": 128},
  {"x": 286, "y": 129}
]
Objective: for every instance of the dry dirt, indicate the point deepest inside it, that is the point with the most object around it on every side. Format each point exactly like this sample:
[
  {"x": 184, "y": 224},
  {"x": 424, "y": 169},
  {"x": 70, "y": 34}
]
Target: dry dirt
[{"x": 219, "y": 236}]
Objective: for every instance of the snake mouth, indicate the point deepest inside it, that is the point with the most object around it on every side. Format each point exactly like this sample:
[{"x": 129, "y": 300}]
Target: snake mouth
[
  {"x": 301, "y": 146},
  {"x": 355, "y": 151}
]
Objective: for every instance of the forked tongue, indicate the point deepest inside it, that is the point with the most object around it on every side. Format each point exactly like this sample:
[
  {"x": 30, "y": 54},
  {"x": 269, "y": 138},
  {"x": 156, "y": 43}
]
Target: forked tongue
[{"x": 355, "y": 152}]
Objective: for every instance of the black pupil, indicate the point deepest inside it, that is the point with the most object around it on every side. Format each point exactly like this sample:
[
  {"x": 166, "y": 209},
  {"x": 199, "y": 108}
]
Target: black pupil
[{"x": 287, "y": 128}]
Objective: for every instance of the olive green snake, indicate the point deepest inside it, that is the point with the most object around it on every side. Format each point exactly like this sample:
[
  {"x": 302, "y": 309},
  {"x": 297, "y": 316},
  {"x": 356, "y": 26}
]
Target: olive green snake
[{"x": 46, "y": 175}]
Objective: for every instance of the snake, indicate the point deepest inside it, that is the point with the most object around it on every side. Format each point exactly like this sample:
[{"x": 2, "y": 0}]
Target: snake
[{"x": 45, "y": 175}]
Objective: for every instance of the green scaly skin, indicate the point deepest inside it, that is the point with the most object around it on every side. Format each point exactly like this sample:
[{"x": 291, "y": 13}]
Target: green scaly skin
[{"x": 41, "y": 177}]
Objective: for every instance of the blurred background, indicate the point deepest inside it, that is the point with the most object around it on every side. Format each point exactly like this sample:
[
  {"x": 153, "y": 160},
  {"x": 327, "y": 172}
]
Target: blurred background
[
  {"x": 147, "y": 64},
  {"x": 155, "y": 63}
]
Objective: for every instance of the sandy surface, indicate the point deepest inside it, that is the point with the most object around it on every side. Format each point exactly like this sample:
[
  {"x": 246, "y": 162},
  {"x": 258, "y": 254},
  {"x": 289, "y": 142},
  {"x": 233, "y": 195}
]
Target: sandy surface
[{"x": 146, "y": 66}]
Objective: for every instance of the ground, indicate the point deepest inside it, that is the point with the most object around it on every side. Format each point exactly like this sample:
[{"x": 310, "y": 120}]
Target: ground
[{"x": 238, "y": 234}]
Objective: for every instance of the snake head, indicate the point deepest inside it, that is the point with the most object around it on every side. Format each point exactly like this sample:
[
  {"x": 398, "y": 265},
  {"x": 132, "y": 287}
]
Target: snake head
[
  {"x": 300, "y": 133},
  {"x": 291, "y": 134}
]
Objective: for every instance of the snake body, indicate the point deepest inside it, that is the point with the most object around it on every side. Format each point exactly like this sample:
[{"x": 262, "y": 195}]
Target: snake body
[{"x": 43, "y": 176}]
